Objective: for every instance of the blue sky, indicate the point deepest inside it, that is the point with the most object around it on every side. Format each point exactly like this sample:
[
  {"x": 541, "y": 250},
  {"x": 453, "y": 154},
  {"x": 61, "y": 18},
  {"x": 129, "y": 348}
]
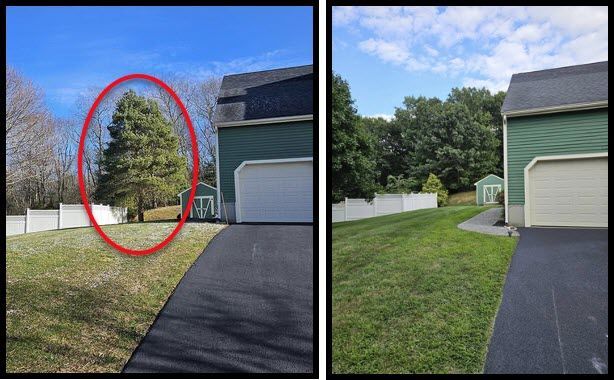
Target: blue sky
[
  {"x": 66, "y": 50},
  {"x": 387, "y": 53}
]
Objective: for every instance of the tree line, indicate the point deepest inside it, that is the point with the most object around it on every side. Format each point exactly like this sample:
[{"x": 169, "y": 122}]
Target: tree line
[
  {"x": 41, "y": 149},
  {"x": 458, "y": 139}
]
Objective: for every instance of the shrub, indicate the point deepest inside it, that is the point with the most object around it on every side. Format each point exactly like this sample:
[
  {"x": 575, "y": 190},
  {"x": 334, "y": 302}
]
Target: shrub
[
  {"x": 398, "y": 185},
  {"x": 434, "y": 185},
  {"x": 501, "y": 197}
]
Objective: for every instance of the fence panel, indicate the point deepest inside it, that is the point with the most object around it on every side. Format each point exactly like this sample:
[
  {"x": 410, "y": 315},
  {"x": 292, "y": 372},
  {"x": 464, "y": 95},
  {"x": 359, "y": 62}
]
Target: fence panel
[
  {"x": 338, "y": 212},
  {"x": 15, "y": 225},
  {"x": 74, "y": 216},
  {"x": 382, "y": 204},
  {"x": 43, "y": 220},
  {"x": 389, "y": 203},
  {"x": 358, "y": 209},
  {"x": 68, "y": 216}
]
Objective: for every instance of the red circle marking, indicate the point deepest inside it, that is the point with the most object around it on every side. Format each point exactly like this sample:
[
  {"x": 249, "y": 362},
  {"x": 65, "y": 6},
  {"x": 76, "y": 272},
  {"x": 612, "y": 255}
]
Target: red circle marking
[{"x": 84, "y": 197}]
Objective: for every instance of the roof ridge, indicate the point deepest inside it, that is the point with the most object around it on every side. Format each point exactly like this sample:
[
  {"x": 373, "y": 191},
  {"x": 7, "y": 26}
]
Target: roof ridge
[
  {"x": 560, "y": 68},
  {"x": 264, "y": 71}
]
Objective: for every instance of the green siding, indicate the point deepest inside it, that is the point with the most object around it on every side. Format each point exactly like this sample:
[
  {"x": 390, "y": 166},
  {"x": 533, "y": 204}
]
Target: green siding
[
  {"x": 552, "y": 134},
  {"x": 260, "y": 142},
  {"x": 201, "y": 190},
  {"x": 489, "y": 180}
]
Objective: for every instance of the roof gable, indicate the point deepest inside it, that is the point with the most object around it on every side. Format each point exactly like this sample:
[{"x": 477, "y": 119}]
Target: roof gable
[
  {"x": 488, "y": 176},
  {"x": 558, "y": 87},
  {"x": 198, "y": 184},
  {"x": 266, "y": 94}
]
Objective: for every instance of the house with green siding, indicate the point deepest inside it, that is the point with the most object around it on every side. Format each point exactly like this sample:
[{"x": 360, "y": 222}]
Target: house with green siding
[
  {"x": 555, "y": 138},
  {"x": 264, "y": 159}
]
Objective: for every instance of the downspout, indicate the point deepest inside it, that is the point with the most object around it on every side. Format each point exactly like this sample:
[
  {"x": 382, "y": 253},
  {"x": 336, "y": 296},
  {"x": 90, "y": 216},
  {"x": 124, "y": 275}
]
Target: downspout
[{"x": 506, "y": 193}]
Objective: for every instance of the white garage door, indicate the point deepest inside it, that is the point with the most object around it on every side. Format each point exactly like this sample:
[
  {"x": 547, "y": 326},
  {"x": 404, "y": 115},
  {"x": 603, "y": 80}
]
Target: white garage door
[
  {"x": 275, "y": 192},
  {"x": 569, "y": 193}
]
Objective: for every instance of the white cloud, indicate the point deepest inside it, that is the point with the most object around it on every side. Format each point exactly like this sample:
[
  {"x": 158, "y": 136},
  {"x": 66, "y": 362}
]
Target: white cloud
[
  {"x": 386, "y": 51},
  {"x": 344, "y": 15},
  {"x": 382, "y": 115},
  {"x": 485, "y": 45}
]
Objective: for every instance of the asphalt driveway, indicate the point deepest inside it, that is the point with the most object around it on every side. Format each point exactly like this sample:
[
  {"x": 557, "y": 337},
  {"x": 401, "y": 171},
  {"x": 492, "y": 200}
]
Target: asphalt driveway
[
  {"x": 554, "y": 313},
  {"x": 246, "y": 305}
]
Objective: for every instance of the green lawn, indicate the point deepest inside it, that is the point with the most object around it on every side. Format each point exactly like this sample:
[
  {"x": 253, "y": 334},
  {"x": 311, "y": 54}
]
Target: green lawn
[
  {"x": 412, "y": 293},
  {"x": 76, "y": 305},
  {"x": 466, "y": 198}
]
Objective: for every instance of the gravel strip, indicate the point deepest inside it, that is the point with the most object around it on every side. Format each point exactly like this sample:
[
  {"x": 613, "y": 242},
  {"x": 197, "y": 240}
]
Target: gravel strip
[{"x": 484, "y": 221}]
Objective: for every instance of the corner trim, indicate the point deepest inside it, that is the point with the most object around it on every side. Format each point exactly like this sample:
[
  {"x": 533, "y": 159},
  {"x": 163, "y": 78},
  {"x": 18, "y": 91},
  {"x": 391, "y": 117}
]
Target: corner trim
[
  {"x": 534, "y": 161},
  {"x": 217, "y": 174},
  {"x": 505, "y": 187}
]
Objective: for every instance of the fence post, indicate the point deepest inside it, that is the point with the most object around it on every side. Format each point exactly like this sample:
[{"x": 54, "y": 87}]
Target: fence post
[
  {"x": 375, "y": 205},
  {"x": 60, "y": 218},
  {"x": 27, "y": 227},
  {"x": 345, "y": 210}
]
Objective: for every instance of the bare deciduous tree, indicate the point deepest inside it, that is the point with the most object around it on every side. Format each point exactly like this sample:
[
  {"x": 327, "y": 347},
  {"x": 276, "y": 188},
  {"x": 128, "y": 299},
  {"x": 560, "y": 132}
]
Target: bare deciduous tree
[{"x": 26, "y": 127}]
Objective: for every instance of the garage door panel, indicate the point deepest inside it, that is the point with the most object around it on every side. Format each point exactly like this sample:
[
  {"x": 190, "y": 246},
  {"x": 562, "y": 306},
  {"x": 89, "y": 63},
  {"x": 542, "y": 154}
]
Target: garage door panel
[
  {"x": 276, "y": 192},
  {"x": 569, "y": 193}
]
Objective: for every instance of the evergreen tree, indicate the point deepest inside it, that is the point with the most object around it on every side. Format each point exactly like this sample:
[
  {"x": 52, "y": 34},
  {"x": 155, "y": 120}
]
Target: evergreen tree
[
  {"x": 141, "y": 164},
  {"x": 434, "y": 185}
]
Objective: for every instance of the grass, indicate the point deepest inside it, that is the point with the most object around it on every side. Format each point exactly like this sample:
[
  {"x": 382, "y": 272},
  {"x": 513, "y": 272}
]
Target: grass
[
  {"x": 162, "y": 213},
  {"x": 412, "y": 293},
  {"x": 76, "y": 305},
  {"x": 466, "y": 198}
]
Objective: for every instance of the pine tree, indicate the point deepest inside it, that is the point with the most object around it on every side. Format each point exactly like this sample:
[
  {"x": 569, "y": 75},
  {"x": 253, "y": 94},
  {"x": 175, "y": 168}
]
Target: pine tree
[{"x": 141, "y": 164}]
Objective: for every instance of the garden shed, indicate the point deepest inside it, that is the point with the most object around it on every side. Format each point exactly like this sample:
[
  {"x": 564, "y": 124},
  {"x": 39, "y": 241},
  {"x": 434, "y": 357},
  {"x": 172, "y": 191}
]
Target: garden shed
[
  {"x": 205, "y": 201},
  {"x": 487, "y": 188}
]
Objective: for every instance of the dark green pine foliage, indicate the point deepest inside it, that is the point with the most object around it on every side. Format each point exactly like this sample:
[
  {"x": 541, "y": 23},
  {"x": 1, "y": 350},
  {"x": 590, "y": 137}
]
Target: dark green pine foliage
[
  {"x": 352, "y": 170},
  {"x": 141, "y": 165}
]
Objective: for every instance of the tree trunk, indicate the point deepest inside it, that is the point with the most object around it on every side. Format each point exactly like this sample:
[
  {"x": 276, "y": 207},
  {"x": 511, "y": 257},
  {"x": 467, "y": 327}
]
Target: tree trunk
[{"x": 141, "y": 216}]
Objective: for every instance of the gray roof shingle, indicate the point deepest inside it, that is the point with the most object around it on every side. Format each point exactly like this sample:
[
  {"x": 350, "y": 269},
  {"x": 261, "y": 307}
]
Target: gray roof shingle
[
  {"x": 266, "y": 94},
  {"x": 557, "y": 87}
]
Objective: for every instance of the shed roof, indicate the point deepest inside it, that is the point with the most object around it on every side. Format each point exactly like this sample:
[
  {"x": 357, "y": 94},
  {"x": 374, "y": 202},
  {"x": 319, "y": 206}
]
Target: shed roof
[
  {"x": 198, "y": 184},
  {"x": 557, "y": 87},
  {"x": 266, "y": 94},
  {"x": 490, "y": 175}
]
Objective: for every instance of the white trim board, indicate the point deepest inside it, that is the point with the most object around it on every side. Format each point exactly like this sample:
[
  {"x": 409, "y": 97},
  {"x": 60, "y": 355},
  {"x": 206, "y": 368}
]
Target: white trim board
[
  {"x": 270, "y": 120},
  {"x": 254, "y": 162},
  {"x": 527, "y": 198},
  {"x": 562, "y": 108},
  {"x": 505, "y": 195},
  {"x": 217, "y": 174}
]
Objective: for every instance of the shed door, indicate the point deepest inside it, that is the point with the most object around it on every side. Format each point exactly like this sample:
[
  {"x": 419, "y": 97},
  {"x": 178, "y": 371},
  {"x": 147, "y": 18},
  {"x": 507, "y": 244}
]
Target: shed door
[
  {"x": 569, "y": 193},
  {"x": 203, "y": 207},
  {"x": 490, "y": 193},
  {"x": 275, "y": 192}
]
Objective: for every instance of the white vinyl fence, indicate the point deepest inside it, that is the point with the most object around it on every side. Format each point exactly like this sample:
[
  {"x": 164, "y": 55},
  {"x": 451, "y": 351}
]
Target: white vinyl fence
[
  {"x": 382, "y": 204},
  {"x": 68, "y": 216}
]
